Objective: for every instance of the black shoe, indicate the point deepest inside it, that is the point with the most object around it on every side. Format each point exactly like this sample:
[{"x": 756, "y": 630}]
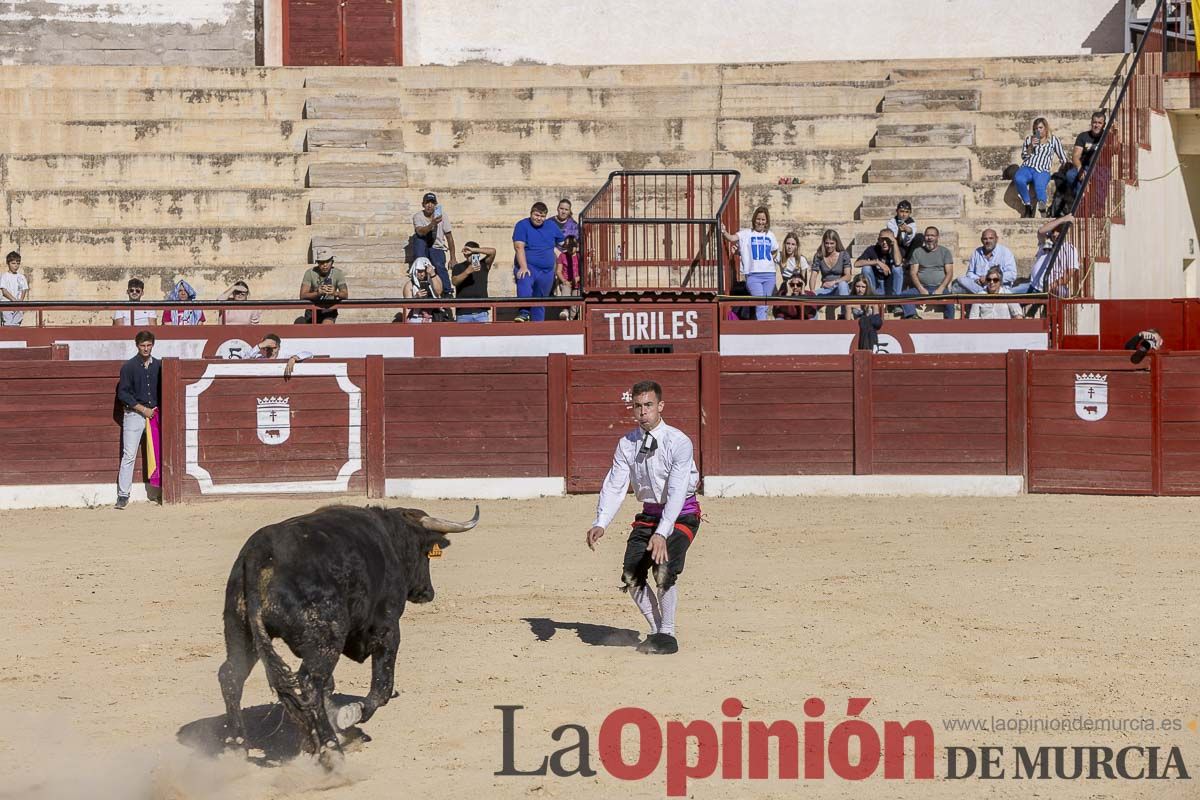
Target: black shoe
[
  {"x": 121, "y": 503},
  {"x": 659, "y": 644},
  {"x": 647, "y": 644},
  {"x": 1028, "y": 212},
  {"x": 1043, "y": 211}
]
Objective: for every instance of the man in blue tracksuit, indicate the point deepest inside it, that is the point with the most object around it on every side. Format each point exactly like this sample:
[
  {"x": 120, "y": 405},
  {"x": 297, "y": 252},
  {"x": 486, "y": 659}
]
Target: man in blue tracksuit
[{"x": 538, "y": 246}]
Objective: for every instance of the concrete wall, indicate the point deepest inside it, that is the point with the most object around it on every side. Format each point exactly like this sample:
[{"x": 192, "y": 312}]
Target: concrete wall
[
  {"x": 197, "y": 32},
  {"x": 715, "y": 31},
  {"x": 1152, "y": 253}
]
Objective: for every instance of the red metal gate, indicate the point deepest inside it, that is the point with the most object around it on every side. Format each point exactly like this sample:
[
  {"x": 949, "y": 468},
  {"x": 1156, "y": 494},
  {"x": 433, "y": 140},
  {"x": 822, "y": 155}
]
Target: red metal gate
[
  {"x": 342, "y": 32},
  {"x": 599, "y": 413}
]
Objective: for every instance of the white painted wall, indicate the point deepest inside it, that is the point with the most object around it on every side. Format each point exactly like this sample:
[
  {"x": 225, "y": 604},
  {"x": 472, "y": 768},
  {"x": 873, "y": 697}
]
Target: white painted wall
[
  {"x": 127, "y": 12},
  {"x": 716, "y": 31},
  {"x": 1150, "y": 251}
]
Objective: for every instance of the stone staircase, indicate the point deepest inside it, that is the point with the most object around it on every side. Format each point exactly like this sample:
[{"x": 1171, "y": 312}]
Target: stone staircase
[{"x": 112, "y": 172}]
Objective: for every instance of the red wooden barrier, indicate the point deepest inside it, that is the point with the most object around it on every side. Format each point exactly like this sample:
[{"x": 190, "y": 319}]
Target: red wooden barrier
[
  {"x": 55, "y": 352},
  {"x": 1179, "y": 422}
]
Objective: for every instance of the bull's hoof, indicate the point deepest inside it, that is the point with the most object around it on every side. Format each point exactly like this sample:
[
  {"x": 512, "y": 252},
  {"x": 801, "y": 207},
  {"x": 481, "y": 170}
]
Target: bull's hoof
[
  {"x": 348, "y": 715},
  {"x": 330, "y": 758}
]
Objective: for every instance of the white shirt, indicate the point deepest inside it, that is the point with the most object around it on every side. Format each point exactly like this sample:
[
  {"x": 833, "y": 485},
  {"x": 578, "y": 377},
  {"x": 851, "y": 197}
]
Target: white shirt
[
  {"x": 140, "y": 317},
  {"x": 668, "y": 476},
  {"x": 14, "y": 284},
  {"x": 756, "y": 249},
  {"x": 997, "y": 310},
  {"x": 254, "y": 352}
]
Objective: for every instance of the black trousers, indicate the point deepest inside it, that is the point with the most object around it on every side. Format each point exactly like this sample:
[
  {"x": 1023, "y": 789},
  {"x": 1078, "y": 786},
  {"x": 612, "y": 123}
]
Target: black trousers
[{"x": 638, "y": 561}]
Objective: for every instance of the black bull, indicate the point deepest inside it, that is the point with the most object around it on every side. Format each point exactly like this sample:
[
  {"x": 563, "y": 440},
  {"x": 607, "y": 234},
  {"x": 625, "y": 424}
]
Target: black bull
[{"x": 328, "y": 583}]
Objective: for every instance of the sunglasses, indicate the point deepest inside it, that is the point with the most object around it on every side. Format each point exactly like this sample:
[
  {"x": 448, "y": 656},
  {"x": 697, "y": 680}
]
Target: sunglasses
[
  {"x": 993, "y": 280},
  {"x": 133, "y": 291},
  {"x": 240, "y": 294}
]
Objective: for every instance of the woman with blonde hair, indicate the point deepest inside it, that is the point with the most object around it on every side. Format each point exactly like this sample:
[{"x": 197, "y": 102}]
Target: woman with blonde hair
[
  {"x": 1039, "y": 148},
  {"x": 832, "y": 268}
]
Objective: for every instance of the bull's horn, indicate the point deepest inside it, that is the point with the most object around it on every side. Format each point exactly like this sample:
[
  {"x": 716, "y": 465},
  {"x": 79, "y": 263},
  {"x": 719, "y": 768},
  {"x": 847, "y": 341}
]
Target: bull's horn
[{"x": 446, "y": 526}]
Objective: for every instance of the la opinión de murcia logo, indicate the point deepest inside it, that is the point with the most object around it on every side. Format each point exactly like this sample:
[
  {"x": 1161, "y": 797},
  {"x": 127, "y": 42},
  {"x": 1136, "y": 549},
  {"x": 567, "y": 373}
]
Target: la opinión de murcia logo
[{"x": 736, "y": 749}]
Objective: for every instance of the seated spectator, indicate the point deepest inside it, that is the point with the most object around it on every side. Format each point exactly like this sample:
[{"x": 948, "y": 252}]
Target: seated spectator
[
  {"x": 930, "y": 271},
  {"x": 135, "y": 289},
  {"x": 790, "y": 262},
  {"x": 994, "y": 281},
  {"x": 272, "y": 347},
  {"x": 883, "y": 265},
  {"x": 1086, "y": 146},
  {"x": 905, "y": 229},
  {"x": 568, "y": 272},
  {"x": 989, "y": 254},
  {"x": 740, "y": 289},
  {"x": 239, "y": 292},
  {"x": 1056, "y": 280},
  {"x": 565, "y": 220},
  {"x": 14, "y": 288},
  {"x": 757, "y": 247},
  {"x": 423, "y": 283},
  {"x": 832, "y": 265},
  {"x": 324, "y": 285},
  {"x": 182, "y": 292},
  {"x": 470, "y": 278},
  {"x": 1037, "y": 154},
  {"x": 536, "y": 246},
  {"x": 432, "y": 237},
  {"x": 794, "y": 286},
  {"x": 869, "y": 315}
]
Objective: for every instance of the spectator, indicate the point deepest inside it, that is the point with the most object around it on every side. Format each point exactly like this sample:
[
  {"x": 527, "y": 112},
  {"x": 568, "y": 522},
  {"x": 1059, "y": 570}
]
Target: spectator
[
  {"x": 883, "y": 265},
  {"x": 569, "y": 273},
  {"x": 989, "y": 254},
  {"x": 1037, "y": 153},
  {"x": 739, "y": 289},
  {"x": 869, "y": 316},
  {"x": 833, "y": 268},
  {"x": 995, "y": 281},
  {"x": 757, "y": 247},
  {"x": 565, "y": 220},
  {"x": 14, "y": 288},
  {"x": 272, "y": 347},
  {"x": 790, "y": 262},
  {"x": 135, "y": 289},
  {"x": 904, "y": 228},
  {"x": 182, "y": 292},
  {"x": 432, "y": 237},
  {"x": 1058, "y": 280},
  {"x": 470, "y": 278},
  {"x": 1086, "y": 146},
  {"x": 794, "y": 286},
  {"x": 537, "y": 246},
  {"x": 239, "y": 292},
  {"x": 930, "y": 270},
  {"x": 138, "y": 394},
  {"x": 423, "y": 283},
  {"x": 324, "y": 285}
]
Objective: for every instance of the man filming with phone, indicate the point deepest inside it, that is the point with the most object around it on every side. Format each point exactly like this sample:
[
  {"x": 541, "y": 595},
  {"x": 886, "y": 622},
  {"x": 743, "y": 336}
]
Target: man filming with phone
[
  {"x": 324, "y": 285},
  {"x": 432, "y": 237}
]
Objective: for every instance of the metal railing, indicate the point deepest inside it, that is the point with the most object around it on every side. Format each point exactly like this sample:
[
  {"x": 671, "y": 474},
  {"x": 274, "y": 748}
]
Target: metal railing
[
  {"x": 658, "y": 230},
  {"x": 1100, "y": 190}
]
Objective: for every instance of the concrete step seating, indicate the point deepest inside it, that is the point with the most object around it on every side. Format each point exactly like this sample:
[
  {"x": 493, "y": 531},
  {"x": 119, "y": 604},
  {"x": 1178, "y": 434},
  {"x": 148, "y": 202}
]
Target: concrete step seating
[{"x": 198, "y": 173}]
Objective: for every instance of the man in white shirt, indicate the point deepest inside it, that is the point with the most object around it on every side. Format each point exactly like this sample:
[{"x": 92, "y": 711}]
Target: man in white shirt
[
  {"x": 272, "y": 347},
  {"x": 141, "y": 319},
  {"x": 990, "y": 254},
  {"x": 659, "y": 460},
  {"x": 14, "y": 288}
]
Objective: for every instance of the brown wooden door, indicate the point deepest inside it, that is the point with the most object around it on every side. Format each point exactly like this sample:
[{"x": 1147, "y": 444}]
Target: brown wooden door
[
  {"x": 598, "y": 415},
  {"x": 320, "y": 33}
]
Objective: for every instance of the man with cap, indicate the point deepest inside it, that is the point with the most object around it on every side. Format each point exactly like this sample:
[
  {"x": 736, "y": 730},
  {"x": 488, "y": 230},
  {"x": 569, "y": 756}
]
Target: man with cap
[
  {"x": 324, "y": 285},
  {"x": 432, "y": 238}
]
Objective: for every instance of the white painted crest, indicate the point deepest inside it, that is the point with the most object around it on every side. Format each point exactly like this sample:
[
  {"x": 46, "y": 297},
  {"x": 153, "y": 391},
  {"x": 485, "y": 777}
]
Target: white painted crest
[
  {"x": 274, "y": 419},
  {"x": 1091, "y": 396}
]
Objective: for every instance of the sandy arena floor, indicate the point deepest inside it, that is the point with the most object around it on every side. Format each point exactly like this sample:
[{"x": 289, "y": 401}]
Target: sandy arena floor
[{"x": 1034, "y": 607}]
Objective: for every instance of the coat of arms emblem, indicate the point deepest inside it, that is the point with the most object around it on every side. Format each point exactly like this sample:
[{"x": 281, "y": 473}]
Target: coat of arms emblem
[
  {"x": 1091, "y": 396},
  {"x": 274, "y": 419}
]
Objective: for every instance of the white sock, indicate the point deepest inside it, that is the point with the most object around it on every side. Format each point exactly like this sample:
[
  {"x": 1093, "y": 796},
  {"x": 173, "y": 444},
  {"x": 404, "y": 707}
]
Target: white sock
[
  {"x": 667, "y": 601},
  {"x": 647, "y": 603}
]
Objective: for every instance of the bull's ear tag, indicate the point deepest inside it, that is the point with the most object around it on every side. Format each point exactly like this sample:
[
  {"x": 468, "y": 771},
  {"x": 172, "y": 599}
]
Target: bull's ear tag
[{"x": 435, "y": 552}]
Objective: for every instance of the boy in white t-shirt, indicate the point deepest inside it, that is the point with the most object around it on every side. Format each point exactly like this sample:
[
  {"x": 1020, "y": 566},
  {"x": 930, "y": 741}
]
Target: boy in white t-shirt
[
  {"x": 14, "y": 288},
  {"x": 135, "y": 288},
  {"x": 757, "y": 247}
]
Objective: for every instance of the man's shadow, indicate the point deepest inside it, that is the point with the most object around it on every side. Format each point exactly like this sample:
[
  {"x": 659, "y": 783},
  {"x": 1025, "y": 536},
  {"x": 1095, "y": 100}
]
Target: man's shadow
[
  {"x": 595, "y": 635},
  {"x": 271, "y": 736}
]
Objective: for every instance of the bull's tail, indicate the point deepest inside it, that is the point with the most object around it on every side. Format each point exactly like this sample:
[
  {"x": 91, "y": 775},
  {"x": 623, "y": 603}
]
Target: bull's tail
[{"x": 279, "y": 675}]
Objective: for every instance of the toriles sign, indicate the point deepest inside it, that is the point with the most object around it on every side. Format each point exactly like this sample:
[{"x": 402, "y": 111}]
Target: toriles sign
[{"x": 683, "y": 328}]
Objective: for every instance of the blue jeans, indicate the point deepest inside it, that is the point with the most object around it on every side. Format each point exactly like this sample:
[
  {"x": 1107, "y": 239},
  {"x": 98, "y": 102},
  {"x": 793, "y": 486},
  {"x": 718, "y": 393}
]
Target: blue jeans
[
  {"x": 885, "y": 284},
  {"x": 761, "y": 284},
  {"x": 841, "y": 289},
  {"x": 472, "y": 316},
  {"x": 538, "y": 283},
  {"x": 910, "y": 309},
  {"x": 1025, "y": 175}
]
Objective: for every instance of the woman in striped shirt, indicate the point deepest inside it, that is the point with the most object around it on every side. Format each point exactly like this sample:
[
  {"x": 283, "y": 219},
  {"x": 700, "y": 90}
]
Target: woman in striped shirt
[{"x": 1036, "y": 155}]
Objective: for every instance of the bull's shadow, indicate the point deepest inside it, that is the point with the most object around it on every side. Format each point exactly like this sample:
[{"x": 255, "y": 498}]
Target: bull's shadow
[
  {"x": 268, "y": 729},
  {"x": 596, "y": 635}
]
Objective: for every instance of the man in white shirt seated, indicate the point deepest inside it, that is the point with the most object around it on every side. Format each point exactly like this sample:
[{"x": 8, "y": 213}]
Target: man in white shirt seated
[
  {"x": 272, "y": 347},
  {"x": 141, "y": 319},
  {"x": 658, "y": 459},
  {"x": 989, "y": 254}
]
